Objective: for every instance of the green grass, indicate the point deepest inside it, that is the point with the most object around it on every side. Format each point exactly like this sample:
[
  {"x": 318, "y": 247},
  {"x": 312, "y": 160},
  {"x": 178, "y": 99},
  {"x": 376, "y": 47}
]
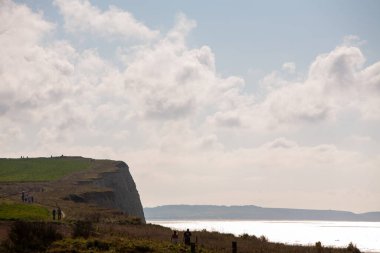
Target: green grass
[
  {"x": 15, "y": 211},
  {"x": 39, "y": 169}
]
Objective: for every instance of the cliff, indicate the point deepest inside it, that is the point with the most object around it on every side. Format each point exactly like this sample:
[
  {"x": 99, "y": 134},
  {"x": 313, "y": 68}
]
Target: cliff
[
  {"x": 108, "y": 185},
  {"x": 122, "y": 194}
]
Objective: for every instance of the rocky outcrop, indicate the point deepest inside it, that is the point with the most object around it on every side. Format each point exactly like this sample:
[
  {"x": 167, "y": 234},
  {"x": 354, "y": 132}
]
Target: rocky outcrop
[{"x": 122, "y": 193}]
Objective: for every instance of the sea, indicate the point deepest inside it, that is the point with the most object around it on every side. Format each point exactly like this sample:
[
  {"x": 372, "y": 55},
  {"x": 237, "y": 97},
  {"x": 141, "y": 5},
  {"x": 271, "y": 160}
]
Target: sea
[{"x": 365, "y": 235}]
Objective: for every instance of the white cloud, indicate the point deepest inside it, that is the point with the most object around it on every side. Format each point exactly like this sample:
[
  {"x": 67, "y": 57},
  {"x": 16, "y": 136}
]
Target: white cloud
[
  {"x": 289, "y": 67},
  {"x": 28, "y": 71},
  {"x": 19, "y": 26},
  {"x": 353, "y": 40},
  {"x": 281, "y": 143},
  {"x": 81, "y": 16},
  {"x": 336, "y": 82}
]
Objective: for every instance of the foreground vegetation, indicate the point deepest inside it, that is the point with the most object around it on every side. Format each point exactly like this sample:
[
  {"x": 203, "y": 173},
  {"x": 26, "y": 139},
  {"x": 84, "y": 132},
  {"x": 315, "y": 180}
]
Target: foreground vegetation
[
  {"x": 40, "y": 169},
  {"x": 87, "y": 236}
]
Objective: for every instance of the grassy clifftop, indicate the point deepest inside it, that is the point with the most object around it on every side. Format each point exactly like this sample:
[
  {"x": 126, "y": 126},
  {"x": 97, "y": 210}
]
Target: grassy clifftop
[{"x": 40, "y": 169}]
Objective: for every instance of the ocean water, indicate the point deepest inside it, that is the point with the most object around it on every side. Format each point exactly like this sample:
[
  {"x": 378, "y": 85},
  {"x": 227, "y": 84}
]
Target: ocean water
[{"x": 365, "y": 235}]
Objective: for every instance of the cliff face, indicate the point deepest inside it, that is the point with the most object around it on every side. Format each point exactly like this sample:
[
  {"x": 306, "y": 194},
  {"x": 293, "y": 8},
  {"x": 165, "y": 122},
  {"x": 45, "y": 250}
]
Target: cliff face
[{"x": 122, "y": 193}]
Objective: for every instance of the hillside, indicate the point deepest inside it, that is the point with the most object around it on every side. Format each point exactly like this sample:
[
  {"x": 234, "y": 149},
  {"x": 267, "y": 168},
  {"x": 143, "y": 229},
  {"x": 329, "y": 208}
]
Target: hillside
[
  {"x": 210, "y": 212},
  {"x": 79, "y": 186}
]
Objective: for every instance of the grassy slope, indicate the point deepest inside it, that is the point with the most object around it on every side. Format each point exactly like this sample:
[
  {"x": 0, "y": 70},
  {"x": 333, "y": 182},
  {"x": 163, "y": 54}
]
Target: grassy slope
[
  {"x": 39, "y": 169},
  {"x": 17, "y": 211}
]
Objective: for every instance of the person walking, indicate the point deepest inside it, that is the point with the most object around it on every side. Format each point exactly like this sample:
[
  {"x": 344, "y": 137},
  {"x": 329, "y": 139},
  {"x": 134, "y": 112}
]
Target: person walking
[
  {"x": 54, "y": 212},
  {"x": 187, "y": 237},
  {"x": 59, "y": 212},
  {"x": 174, "y": 238}
]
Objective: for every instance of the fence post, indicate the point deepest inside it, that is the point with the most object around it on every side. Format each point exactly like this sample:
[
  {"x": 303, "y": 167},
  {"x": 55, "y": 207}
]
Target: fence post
[{"x": 234, "y": 247}]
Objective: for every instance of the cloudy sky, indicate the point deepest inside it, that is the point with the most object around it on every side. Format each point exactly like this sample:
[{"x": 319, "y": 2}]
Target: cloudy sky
[{"x": 224, "y": 102}]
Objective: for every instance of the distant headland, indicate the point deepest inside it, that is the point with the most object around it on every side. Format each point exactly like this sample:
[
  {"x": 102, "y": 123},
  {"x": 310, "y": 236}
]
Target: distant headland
[{"x": 251, "y": 212}]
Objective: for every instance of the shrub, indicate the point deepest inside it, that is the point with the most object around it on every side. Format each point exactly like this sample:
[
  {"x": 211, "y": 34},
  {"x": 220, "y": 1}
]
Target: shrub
[
  {"x": 82, "y": 229},
  {"x": 318, "y": 245},
  {"x": 27, "y": 237},
  {"x": 98, "y": 245},
  {"x": 246, "y": 236},
  {"x": 130, "y": 221},
  {"x": 352, "y": 248},
  {"x": 263, "y": 239},
  {"x": 142, "y": 248}
]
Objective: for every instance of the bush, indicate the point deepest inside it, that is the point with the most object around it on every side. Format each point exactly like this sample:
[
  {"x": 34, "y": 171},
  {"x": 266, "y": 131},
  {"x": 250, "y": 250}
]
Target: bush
[
  {"x": 130, "y": 221},
  {"x": 263, "y": 239},
  {"x": 142, "y": 248},
  {"x": 98, "y": 245},
  {"x": 27, "y": 237},
  {"x": 82, "y": 229},
  {"x": 246, "y": 236},
  {"x": 352, "y": 248},
  {"x": 318, "y": 245}
]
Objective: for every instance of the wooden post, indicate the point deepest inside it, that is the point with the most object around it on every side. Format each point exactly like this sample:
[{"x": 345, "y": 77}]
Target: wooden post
[
  {"x": 234, "y": 247},
  {"x": 192, "y": 246}
]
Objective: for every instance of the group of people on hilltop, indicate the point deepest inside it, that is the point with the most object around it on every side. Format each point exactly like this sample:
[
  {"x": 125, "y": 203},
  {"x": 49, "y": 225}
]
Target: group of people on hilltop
[
  {"x": 25, "y": 197},
  {"x": 186, "y": 237}
]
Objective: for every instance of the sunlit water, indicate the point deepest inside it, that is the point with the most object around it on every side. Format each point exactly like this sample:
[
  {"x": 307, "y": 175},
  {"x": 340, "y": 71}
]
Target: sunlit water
[{"x": 365, "y": 235}]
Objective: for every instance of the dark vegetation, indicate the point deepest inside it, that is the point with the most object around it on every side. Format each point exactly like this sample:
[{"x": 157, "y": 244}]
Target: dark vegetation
[
  {"x": 30, "y": 237},
  {"x": 88, "y": 236},
  {"x": 82, "y": 229}
]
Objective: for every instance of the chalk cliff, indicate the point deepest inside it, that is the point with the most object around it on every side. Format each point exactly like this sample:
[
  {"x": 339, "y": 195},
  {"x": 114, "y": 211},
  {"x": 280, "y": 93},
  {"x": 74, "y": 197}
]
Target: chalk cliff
[
  {"x": 123, "y": 193},
  {"x": 108, "y": 184}
]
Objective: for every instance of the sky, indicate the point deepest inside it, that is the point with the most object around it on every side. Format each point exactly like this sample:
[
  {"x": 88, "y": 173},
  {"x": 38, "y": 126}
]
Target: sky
[{"x": 275, "y": 104}]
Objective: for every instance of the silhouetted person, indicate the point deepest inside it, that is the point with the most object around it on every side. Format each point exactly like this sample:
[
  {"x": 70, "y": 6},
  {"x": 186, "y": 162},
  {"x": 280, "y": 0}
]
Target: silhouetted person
[
  {"x": 187, "y": 237},
  {"x": 59, "y": 213},
  {"x": 174, "y": 238},
  {"x": 54, "y": 212}
]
